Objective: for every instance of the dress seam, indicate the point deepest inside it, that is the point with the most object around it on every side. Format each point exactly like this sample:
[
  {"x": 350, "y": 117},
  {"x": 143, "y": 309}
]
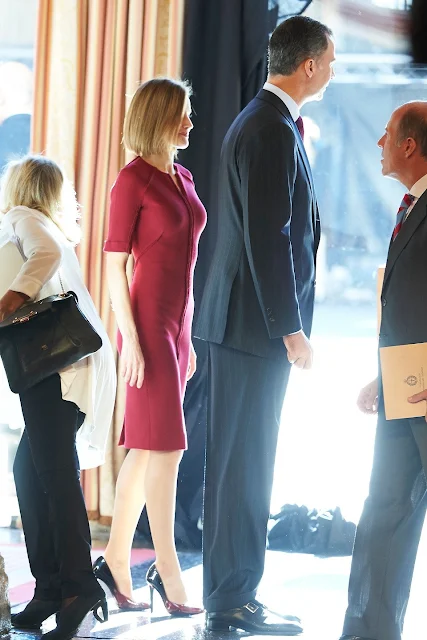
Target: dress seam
[
  {"x": 188, "y": 269},
  {"x": 138, "y": 211}
]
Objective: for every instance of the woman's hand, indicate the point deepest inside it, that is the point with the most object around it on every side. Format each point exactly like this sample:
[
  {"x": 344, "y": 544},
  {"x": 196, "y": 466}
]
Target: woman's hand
[
  {"x": 192, "y": 365},
  {"x": 132, "y": 363},
  {"x": 10, "y": 302}
]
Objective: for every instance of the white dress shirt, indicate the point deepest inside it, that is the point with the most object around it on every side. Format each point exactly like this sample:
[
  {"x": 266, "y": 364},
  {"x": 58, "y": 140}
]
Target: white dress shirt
[
  {"x": 91, "y": 382},
  {"x": 286, "y": 98},
  {"x": 417, "y": 191}
]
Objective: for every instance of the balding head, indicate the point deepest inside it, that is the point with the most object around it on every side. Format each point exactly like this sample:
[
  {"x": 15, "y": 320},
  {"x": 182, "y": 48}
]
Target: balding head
[
  {"x": 412, "y": 123},
  {"x": 404, "y": 143}
]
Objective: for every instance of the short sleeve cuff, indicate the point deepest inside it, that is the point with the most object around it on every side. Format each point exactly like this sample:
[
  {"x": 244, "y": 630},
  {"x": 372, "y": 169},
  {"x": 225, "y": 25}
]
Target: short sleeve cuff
[{"x": 117, "y": 246}]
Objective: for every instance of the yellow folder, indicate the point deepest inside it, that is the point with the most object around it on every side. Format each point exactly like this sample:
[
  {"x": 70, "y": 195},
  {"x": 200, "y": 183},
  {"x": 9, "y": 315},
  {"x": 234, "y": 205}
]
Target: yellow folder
[{"x": 404, "y": 373}]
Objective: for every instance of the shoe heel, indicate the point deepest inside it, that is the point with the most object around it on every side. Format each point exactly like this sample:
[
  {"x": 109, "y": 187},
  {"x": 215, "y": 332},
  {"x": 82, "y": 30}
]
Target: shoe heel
[
  {"x": 217, "y": 625},
  {"x": 104, "y": 607},
  {"x": 151, "y": 598}
]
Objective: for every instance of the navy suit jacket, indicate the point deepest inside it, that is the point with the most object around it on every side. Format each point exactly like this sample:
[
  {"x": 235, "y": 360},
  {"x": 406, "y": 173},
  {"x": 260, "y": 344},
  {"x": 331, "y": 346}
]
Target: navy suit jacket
[{"x": 260, "y": 285}]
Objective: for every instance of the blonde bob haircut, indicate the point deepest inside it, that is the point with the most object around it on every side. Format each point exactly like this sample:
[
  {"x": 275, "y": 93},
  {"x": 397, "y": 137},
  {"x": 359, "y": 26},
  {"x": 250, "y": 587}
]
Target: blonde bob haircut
[
  {"x": 154, "y": 116},
  {"x": 37, "y": 182}
]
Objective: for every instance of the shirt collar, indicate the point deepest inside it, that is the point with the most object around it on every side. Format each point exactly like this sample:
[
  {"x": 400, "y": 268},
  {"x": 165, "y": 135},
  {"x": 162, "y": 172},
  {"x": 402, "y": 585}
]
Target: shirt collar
[
  {"x": 288, "y": 101},
  {"x": 419, "y": 187}
]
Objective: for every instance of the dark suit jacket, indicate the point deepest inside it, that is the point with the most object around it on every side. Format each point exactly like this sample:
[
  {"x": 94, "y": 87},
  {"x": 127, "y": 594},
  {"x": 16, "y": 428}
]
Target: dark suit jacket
[
  {"x": 404, "y": 294},
  {"x": 261, "y": 282}
]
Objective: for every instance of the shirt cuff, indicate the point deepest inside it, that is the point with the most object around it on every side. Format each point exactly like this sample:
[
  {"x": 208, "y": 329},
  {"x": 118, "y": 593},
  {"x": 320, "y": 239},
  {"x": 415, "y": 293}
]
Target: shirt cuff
[{"x": 27, "y": 285}]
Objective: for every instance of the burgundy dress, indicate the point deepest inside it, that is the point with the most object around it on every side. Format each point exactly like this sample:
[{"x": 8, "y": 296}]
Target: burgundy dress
[{"x": 161, "y": 226}]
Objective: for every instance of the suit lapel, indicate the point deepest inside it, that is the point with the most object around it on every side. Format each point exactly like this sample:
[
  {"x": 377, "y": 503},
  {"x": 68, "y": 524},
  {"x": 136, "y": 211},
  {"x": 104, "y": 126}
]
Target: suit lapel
[{"x": 406, "y": 232}]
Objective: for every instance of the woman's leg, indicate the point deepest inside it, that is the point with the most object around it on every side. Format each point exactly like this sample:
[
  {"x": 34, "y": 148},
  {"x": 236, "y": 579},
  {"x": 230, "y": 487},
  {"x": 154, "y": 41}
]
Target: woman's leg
[
  {"x": 157, "y": 472},
  {"x": 51, "y": 424},
  {"x": 160, "y": 486},
  {"x": 128, "y": 505}
]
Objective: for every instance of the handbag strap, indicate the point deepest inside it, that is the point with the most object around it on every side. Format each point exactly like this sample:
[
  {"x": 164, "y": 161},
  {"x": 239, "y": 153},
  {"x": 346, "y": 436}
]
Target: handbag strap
[{"x": 60, "y": 281}]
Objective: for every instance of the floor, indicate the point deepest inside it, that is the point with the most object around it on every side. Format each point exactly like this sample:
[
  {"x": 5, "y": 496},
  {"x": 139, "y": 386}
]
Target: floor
[
  {"x": 295, "y": 584},
  {"x": 315, "y": 589}
]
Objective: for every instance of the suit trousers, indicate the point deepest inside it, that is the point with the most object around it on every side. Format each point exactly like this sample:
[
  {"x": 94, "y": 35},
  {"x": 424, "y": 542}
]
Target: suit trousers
[
  {"x": 245, "y": 398},
  {"x": 47, "y": 478},
  {"x": 389, "y": 530}
]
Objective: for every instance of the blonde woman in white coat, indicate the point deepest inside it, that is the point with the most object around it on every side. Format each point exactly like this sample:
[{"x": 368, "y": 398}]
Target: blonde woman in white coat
[{"x": 66, "y": 416}]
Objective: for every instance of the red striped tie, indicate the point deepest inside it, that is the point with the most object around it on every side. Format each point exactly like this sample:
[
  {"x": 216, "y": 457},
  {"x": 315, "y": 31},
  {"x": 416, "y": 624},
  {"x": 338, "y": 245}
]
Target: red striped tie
[{"x": 400, "y": 219}]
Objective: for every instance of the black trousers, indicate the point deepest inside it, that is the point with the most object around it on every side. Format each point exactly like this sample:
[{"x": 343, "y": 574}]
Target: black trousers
[
  {"x": 47, "y": 478},
  {"x": 389, "y": 530},
  {"x": 246, "y": 395}
]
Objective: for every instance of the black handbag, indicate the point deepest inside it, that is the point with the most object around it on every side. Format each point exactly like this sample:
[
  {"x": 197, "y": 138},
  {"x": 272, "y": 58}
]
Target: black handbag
[{"x": 43, "y": 337}]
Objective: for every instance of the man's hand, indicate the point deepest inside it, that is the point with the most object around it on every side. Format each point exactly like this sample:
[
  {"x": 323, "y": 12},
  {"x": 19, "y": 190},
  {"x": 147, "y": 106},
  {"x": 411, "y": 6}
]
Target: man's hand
[
  {"x": 192, "y": 365},
  {"x": 368, "y": 398},
  {"x": 300, "y": 353},
  {"x": 418, "y": 397}
]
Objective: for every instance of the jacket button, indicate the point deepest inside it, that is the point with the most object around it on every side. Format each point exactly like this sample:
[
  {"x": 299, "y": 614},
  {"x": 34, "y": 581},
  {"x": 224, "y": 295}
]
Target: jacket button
[
  {"x": 269, "y": 311},
  {"x": 384, "y": 302}
]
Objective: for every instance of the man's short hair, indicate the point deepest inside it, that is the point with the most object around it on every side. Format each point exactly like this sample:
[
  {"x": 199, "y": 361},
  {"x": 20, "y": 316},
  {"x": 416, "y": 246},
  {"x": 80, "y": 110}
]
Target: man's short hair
[
  {"x": 413, "y": 124},
  {"x": 295, "y": 40}
]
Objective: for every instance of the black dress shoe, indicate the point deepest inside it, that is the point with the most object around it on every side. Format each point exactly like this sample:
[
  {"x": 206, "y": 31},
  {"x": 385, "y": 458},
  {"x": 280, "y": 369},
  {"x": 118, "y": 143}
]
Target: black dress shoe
[
  {"x": 36, "y": 612},
  {"x": 254, "y": 618}
]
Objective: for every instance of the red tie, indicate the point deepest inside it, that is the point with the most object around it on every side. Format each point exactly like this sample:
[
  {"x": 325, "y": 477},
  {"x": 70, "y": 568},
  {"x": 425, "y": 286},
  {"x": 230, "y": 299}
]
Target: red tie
[
  {"x": 300, "y": 124},
  {"x": 400, "y": 219}
]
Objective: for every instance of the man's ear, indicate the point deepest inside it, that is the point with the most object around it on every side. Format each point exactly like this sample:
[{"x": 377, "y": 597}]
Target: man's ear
[
  {"x": 410, "y": 146},
  {"x": 309, "y": 67}
]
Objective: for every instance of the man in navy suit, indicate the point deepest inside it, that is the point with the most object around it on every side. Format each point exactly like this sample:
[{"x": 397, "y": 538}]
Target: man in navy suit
[{"x": 256, "y": 314}]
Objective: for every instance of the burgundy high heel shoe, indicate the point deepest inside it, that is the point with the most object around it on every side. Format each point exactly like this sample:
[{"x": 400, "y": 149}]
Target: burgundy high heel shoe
[
  {"x": 102, "y": 572},
  {"x": 155, "y": 582}
]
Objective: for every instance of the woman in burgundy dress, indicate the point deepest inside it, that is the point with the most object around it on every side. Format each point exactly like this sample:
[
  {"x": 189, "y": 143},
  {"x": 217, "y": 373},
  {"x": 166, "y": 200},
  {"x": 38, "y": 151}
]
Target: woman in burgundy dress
[{"x": 157, "y": 217}]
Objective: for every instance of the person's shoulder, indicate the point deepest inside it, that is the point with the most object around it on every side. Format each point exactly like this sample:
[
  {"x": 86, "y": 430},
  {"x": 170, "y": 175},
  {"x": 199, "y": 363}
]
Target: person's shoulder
[
  {"x": 263, "y": 133},
  {"x": 136, "y": 174},
  {"x": 261, "y": 121},
  {"x": 23, "y": 221},
  {"x": 20, "y": 213},
  {"x": 184, "y": 172}
]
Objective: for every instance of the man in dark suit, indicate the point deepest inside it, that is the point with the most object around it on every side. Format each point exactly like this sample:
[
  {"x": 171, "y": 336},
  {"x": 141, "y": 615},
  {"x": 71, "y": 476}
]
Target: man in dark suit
[
  {"x": 256, "y": 314},
  {"x": 390, "y": 526}
]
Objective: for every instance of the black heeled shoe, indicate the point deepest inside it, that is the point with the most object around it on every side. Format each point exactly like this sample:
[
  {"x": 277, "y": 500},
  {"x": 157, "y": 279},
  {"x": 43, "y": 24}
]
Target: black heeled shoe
[
  {"x": 73, "y": 615},
  {"x": 102, "y": 572},
  {"x": 155, "y": 582},
  {"x": 36, "y": 612}
]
